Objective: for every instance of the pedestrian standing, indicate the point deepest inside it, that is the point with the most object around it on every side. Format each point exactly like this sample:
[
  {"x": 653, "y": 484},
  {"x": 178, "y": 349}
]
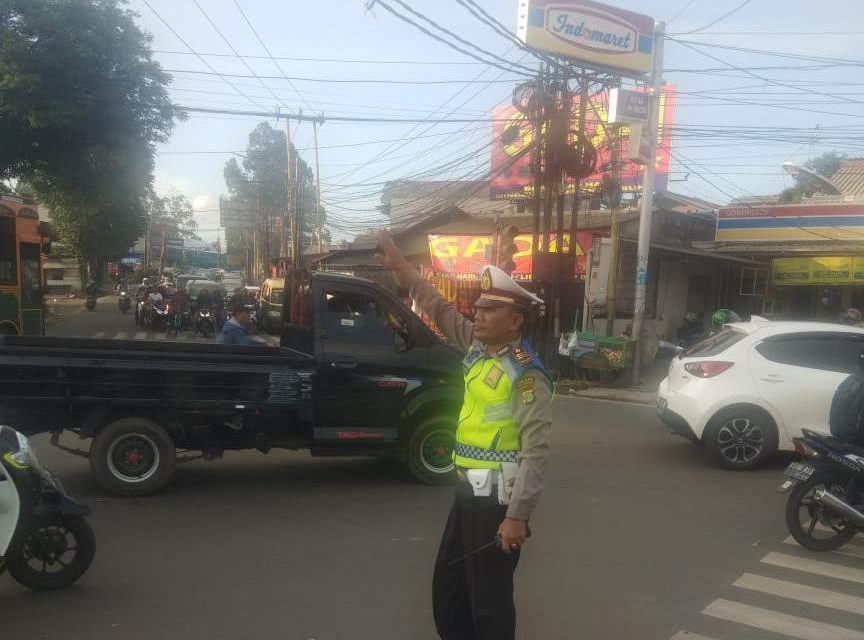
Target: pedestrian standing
[{"x": 500, "y": 452}]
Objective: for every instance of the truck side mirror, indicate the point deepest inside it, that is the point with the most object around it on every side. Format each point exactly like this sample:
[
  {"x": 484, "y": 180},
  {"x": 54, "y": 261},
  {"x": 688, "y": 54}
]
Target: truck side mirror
[{"x": 401, "y": 343}]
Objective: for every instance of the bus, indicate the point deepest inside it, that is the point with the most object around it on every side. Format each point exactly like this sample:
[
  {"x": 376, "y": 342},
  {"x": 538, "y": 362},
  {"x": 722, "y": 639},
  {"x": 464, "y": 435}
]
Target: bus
[{"x": 21, "y": 286}]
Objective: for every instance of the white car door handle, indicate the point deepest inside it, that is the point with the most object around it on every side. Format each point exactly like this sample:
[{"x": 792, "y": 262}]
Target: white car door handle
[{"x": 772, "y": 378}]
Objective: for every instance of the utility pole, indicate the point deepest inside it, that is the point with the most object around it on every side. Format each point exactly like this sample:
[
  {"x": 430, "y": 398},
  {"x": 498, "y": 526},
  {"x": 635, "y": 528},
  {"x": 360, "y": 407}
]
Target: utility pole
[
  {"x": 318, "y": 224},
  {"x": 286, "y": 216},
  {"x": 614, "y": 209},
  {"x": 644, "y": 245}
]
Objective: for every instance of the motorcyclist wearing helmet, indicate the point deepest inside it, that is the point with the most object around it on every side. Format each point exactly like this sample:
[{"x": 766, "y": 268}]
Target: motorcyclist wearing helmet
[{"x": 722, "y": 317}]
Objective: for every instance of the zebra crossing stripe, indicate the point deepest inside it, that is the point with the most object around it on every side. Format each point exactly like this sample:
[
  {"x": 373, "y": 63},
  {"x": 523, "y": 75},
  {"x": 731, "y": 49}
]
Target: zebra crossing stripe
[
  {"x": 801, "y": 593},
  {"x": 687, "y": 635},
  {"x": 120, "y": 335},
  {"x": 781, "y": 623},
  {"x": 826, "y": 569},
  {"x": 99, "y": 334},
  {"x": 850, "y": 550},
  {"x": 141, "y": 335}
]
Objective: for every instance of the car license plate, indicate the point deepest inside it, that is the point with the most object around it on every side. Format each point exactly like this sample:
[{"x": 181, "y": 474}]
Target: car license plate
[
  {"x": 661, "y": 406},
  {"x": 799, "y": 471}
]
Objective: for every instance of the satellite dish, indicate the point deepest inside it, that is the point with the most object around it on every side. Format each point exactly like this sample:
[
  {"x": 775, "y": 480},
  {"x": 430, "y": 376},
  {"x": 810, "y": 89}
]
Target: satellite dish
[{"x": 808, "y": 175}]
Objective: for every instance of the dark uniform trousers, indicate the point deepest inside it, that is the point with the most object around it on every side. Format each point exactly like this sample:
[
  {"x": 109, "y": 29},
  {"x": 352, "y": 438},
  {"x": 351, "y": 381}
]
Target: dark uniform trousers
[{"x": 473, "y": 599}]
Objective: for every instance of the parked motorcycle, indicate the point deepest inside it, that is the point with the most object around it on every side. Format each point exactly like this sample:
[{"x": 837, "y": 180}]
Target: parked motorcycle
[
  {"x": 45, "y": 541},
  {"x": 205, "y": 323},
  {"x": 124, "y": 303},
  {"x": 90, "y": 302},
  {"x": 825, "y": 508}
]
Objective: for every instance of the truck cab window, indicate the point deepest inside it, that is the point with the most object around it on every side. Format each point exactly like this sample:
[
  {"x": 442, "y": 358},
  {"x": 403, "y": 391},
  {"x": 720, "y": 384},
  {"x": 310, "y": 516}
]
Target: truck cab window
[{"x": 357, "y": 317}]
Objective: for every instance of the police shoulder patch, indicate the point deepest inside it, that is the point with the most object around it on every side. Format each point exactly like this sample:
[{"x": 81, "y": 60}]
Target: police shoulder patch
[
  {"x": 528, "y": 396},
  {"x": 522, "y": 357},
  {"x": 525, "y": 383}
]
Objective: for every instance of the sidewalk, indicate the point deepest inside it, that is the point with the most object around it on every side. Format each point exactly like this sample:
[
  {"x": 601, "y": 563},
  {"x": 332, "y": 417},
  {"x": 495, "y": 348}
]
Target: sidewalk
[{"x": 634, "y": 395}]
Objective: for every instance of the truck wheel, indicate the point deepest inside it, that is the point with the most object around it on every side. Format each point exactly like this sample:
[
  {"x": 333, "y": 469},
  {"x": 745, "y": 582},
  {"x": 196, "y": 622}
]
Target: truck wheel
[
  {"x": 132, "y": 457},
  {"x": 430, "y": 451}
]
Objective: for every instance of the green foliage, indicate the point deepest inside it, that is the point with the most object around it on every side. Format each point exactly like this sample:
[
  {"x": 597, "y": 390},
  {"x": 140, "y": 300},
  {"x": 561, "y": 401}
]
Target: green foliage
[
  {"x": 83, "y": 104},
  {"x": 826, "y": 165},
  {"x": 261, "y": 179},
  {"x": 175, "y": 212}
]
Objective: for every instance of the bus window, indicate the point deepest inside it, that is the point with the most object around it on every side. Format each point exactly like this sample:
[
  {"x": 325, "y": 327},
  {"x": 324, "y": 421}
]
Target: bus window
[
  {"x": 8, "y": 257},
  {"x": 31, "y": 290}
]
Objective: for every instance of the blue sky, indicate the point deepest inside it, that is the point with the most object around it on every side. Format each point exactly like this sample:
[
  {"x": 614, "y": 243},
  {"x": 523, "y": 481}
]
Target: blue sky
[{"x": 730, "y": 162}]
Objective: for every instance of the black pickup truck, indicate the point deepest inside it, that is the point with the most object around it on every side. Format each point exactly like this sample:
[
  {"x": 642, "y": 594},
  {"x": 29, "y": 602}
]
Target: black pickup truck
[{"x": 359, "y": 375}]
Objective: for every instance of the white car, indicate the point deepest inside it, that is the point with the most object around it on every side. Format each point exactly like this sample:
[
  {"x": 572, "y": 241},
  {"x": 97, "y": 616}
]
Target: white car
[{"x": 745, "y": 392}]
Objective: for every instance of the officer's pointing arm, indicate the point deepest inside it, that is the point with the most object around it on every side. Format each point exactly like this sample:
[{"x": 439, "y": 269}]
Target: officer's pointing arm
[{"x": 449, "y": 321}]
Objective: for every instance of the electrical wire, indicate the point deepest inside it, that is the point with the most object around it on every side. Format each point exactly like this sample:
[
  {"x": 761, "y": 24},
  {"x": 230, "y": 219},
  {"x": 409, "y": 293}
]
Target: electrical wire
[
  {"x": 199, "y": 56},
  {"x": 325, "y": 60},
  {"x": 680, "y": 12},
  {"x": 527, "y": 72},
  {"x": 329, "y": 80},
  {"x": 231, "y": 46},
  {"x": 728, "y": 14},
  {"x": 267, "y": 50}
]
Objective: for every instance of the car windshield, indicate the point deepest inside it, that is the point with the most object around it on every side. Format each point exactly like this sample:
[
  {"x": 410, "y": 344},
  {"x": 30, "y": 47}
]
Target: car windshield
[{"x": 716, "y": 344}]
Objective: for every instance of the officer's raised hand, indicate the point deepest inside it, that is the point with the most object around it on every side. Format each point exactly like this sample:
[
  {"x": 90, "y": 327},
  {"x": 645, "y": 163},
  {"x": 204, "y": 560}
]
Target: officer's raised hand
[{"x": 391, "y": 258}]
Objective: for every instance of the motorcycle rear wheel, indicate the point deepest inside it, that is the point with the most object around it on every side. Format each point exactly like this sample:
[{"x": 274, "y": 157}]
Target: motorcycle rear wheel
[
  {"x": 55, "y": 555},
  {"x": 835, "y": 531}
]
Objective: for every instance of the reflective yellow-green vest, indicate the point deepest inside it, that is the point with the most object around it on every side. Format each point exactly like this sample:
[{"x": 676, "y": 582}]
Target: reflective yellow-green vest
[{"x": 487, "y": 434}]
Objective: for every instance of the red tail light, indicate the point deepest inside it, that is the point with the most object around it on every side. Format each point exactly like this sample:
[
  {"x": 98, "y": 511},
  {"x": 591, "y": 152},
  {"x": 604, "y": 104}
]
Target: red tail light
[{"x": 707, "y": 368}]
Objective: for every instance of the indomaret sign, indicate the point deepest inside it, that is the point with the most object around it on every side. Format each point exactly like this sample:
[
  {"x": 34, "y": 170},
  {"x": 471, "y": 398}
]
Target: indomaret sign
[{"x": 596, "y": 35}]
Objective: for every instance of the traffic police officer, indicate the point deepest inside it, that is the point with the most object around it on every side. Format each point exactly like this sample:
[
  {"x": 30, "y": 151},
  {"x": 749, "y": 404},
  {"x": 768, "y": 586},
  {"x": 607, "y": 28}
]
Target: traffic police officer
[{"x": 500, "y": 452}]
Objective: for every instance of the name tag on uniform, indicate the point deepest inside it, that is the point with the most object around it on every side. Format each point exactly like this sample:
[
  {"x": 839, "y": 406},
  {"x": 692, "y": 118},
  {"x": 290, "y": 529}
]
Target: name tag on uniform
[{"x": 493, "y": 377}]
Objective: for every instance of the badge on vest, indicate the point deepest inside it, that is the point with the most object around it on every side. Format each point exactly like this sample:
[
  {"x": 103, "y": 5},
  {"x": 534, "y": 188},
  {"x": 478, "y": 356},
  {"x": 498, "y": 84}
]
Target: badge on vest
[{"x": 493, "y": 377}]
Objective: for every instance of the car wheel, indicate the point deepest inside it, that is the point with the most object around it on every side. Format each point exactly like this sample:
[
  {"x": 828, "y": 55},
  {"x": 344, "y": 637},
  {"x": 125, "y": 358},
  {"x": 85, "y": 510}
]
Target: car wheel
[
  {"x": 430, "y": 451},
  {"x": 741, "y": 438}
]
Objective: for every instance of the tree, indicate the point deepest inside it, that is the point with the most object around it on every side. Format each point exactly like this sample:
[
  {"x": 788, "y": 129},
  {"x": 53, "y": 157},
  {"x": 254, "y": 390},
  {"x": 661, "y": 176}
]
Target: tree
[
  {"x": 173, "y": 212},
  {"x": 825, "y": 165},
  {"x": 261, "y": 181},
  {"x": 83, "y": 105}
]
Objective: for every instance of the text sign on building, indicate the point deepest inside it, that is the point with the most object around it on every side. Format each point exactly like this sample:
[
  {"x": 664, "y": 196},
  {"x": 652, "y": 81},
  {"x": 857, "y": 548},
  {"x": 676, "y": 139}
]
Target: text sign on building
[
  {"x": 629, "y": 106},
  {"x": 466, "y": 255},
  {"x": 513, "y": 134},
  {"x": 814, "y": 222},
  {"x": 826, "y": 270},
  {"x": 593, "y": 34}
]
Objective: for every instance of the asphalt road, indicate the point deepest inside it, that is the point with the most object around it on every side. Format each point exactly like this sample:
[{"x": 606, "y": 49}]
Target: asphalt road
[{"x": 637, "y": 535}]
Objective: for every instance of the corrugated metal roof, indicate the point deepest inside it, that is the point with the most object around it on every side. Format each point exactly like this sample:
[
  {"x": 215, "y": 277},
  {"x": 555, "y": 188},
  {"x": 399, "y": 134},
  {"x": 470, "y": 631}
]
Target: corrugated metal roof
[{"x": 849, "y": 178}]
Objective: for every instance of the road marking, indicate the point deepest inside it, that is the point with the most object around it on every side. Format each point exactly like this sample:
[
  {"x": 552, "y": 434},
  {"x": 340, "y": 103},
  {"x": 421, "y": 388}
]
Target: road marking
[
  {"x": 801, "y": 593},
  {"x": 99, "y": 334},
  {"x": 814, "y": 566},
  {"x": 777, "y": 622},
  {"x": 141, "y": 335},
  {"x": 852, "y": 549},
  {"x": 120, "y": 335},
  {"x": 687, "y": 635}
]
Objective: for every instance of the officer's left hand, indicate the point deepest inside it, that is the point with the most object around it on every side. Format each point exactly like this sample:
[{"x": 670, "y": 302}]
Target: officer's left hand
[{"x": 513, "y": 534}]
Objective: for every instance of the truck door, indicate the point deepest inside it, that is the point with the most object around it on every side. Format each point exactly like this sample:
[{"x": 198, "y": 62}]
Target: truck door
[{"x": 366, "y": 365}]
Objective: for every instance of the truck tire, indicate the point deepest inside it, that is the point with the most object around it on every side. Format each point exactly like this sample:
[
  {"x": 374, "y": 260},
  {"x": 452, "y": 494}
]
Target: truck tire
[
  {"x": 430, "y": 451},
  {"x": 132, "y": 457}
]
